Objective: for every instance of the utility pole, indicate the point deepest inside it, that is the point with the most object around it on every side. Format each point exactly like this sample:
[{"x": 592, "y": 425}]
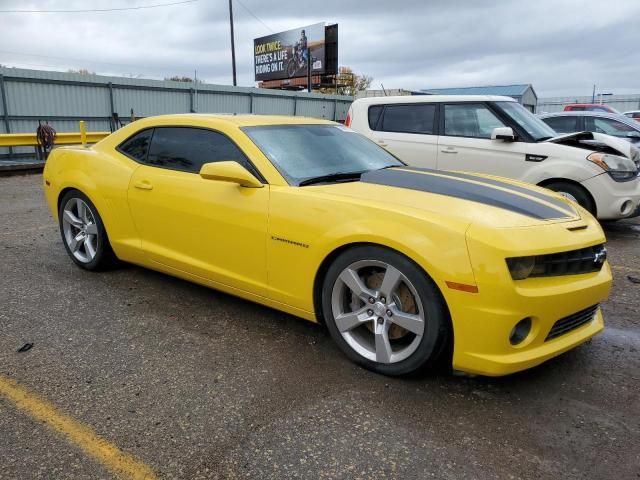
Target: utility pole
[
  {"x": 593, "y": 95},
  {"x": 233, "y": 44}
]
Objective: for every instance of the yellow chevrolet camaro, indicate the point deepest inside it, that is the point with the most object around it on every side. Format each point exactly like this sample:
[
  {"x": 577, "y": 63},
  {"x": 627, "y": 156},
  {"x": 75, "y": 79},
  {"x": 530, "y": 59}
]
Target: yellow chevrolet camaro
[{"x": 405, "y": 266}]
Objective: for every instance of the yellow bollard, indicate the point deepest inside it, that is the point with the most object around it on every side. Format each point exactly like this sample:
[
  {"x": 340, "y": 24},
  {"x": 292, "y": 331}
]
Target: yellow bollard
[{"x": 83, "y": 132}]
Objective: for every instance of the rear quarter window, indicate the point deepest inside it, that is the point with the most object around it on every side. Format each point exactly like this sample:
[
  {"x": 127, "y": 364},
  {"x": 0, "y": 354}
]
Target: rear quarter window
[
  {"x": 137, "y": 146},
  {"x": 414, "y": 118},
  {"x": 374, "y": 116}
]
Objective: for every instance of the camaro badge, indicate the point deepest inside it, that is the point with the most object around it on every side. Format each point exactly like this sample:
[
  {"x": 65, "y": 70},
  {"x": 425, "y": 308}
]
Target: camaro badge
[
  {"x": 600, "y": 257},
  {"x": 290, "y": 242}
]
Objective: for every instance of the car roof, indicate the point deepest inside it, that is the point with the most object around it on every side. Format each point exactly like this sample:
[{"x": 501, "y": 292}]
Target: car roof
[
  {"x": 232, "y": 119},
  {"x": 432, "y": 98},
  {"x": 631, "y": 111},
  {"x": 584, "y": 105},
  {"x": 613, "y": 116}
]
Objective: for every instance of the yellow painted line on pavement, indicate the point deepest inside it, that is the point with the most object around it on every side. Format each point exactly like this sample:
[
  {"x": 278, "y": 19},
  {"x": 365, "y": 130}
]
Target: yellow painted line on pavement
[{"x": 120, "y": 463}]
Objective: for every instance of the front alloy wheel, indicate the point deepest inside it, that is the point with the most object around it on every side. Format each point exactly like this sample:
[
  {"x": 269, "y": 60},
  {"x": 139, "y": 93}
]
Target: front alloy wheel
[{"x": 383, "y": 311}]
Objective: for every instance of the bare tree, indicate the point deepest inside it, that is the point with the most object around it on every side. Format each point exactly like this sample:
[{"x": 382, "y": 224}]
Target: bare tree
[
  {"x": 81, "y": 71},
  {"x": 349, "y": 82}
]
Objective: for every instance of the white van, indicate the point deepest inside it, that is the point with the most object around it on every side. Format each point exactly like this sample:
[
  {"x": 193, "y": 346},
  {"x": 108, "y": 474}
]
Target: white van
[{"x": 498, "y": 136}]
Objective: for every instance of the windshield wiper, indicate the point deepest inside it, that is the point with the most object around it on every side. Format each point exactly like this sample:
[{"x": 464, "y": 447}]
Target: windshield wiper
[{"x": 332, "y": 177}]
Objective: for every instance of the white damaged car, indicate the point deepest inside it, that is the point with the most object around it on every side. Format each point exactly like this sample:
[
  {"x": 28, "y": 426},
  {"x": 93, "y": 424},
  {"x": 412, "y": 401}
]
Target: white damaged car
[{"x": 498, "y": 136}]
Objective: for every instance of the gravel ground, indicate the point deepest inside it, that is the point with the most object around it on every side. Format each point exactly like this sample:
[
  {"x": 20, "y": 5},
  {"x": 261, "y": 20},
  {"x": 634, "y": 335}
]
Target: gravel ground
[{"x": 199, "y": 384}]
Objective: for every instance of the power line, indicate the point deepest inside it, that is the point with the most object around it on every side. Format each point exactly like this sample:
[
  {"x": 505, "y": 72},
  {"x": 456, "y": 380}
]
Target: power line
[
  {"x": 255, "y": 16},
  {"x": 140, "y": 7}
]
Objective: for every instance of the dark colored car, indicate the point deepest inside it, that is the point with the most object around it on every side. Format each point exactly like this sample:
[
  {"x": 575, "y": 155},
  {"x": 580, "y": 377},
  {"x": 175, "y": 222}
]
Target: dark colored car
[{"x": 615, "y": 125}]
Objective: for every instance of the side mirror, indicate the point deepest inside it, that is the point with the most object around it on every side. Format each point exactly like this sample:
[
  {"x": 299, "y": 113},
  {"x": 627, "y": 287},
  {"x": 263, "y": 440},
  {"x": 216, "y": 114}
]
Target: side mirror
[
  {"x": 229, "y": 172},
  {"x": 503, "y": 133}
]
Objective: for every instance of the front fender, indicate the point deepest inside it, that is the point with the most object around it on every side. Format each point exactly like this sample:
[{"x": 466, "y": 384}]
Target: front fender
[
  {"x": 561, "y": 168},
  {"x": 305, "y": 230}
]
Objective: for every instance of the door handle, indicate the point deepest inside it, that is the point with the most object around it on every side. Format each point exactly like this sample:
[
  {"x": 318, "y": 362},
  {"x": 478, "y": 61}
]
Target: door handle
[
  {"x": 449, "y": 150},
  {"x": 382, "y": 143},
  {"x": 143, "y": 185}
]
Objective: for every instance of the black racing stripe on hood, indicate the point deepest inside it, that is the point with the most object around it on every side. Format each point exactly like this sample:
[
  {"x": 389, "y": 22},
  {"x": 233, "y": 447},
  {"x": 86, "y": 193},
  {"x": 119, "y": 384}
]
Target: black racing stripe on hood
[
  {"x": 467, "y": 191},
  {"x": 509, "y": 186}
]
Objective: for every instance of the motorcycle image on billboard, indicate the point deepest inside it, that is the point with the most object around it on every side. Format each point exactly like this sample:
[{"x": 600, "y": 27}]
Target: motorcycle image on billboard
[{"x": 285, "y": 55}]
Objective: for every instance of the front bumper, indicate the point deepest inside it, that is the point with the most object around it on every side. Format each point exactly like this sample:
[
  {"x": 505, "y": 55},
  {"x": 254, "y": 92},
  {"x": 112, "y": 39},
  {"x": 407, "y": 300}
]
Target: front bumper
[
  {"x": 614, "y": 200},
  {"x": 483, "y": 321}
]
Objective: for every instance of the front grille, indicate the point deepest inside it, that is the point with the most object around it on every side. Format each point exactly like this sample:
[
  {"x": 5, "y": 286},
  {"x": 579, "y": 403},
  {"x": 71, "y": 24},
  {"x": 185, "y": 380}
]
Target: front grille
[
  {"x": 566, "y": 324},
  {"x": 584, "y": 260}
]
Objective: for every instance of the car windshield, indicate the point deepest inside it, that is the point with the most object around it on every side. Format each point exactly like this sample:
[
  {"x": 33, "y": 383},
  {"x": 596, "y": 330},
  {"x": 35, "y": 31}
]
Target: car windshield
[
  {"x": 527, "y": 120},
  {"x": 302, "y": 153}
]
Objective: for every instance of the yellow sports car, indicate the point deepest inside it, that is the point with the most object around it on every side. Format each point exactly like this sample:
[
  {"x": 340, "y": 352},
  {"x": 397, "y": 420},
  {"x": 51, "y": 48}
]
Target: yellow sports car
[{"x": 405, "y": 266}]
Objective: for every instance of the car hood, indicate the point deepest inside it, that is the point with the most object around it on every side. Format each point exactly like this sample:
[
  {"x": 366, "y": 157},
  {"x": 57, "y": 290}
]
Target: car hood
[
  {"x": 473, "y": 198},
  {"x": 592, "y": 140}
]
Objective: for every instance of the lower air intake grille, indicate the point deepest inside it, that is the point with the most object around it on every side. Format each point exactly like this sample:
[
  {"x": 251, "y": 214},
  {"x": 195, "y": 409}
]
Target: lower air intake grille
[{"x": 566, "y": 324}]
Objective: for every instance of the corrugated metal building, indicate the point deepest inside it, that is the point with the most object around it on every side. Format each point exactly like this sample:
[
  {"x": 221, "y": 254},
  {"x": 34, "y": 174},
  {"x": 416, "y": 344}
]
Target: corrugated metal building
[
  {"x": 524, "y": 94},
  {"x": 62, "y": 99}
]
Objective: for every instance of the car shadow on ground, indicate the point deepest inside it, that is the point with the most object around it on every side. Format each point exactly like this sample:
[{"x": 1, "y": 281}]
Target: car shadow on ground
[{"x": 310, "y": 343}]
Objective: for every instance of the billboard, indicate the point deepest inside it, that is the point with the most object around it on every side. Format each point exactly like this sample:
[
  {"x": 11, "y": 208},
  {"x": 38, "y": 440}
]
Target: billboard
[{"x": 285, "y": 54}]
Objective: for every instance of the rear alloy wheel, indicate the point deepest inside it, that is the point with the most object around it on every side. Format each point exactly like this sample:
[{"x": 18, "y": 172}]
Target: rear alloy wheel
[
  {"x": 83, "y": 233},
  {"x": 574, "y": 193},
  {"x": 383, "y": 311}
]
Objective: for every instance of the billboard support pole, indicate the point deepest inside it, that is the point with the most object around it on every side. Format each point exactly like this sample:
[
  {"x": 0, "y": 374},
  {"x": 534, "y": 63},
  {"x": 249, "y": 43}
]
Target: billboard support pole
[
  {"x": 233, "y": 46},
  {"x": 309, "y": 73}
]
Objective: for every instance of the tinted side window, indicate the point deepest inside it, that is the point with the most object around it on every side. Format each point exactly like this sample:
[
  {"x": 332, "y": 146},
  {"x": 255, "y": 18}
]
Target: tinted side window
[
  {"x": 608, "y": 126},
  {"x": 562, "y": 124},
  {"x": 470, "y": 120},
  {"x": 408, "y": 118},
  {"x": 137, "y": 146},
  {"x": 187, "y": 149},
  {"x": 374, "y": 116}
]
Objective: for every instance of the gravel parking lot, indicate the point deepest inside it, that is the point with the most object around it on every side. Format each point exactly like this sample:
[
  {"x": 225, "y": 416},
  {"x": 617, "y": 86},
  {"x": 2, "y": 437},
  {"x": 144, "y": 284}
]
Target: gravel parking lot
[{"x": 193, "y": 383}]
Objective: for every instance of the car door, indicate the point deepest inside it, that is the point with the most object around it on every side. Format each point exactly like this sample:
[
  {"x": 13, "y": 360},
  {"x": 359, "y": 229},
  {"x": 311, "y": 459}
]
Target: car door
[
  {"x": 612, "y": 127},
  {"x": 465, "y": 143},
  {"x": 407, "y": 130},
  {"x": 212, "y": 229}
]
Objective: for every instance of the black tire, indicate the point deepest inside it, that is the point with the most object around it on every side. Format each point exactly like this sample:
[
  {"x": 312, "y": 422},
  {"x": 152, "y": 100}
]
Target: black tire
[
  {"x": 292, "y": 67},
  {"x": 576, "y": 191},
  {"x": 104, "y": 257},
  {"x": 437, "y": 332}
]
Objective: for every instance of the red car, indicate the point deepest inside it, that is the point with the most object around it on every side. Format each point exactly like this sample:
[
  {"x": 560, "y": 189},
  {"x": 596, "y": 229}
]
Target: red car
[{"x": 589, "y": 107}]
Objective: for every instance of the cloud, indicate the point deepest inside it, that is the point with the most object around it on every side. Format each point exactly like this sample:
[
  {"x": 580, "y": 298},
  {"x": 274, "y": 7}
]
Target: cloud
[{"x": 562, "y": 48}]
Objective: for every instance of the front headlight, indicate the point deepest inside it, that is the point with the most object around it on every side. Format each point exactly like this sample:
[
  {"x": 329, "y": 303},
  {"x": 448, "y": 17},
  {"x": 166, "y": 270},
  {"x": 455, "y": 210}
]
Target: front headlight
[
  {"x": 635, "y": 156},
  {"x": 620, "y": 168}
]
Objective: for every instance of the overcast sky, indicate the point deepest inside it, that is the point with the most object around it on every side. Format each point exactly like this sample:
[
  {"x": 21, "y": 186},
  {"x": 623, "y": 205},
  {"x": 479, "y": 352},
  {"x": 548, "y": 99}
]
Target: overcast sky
[{"x": 561, "y": 47}]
